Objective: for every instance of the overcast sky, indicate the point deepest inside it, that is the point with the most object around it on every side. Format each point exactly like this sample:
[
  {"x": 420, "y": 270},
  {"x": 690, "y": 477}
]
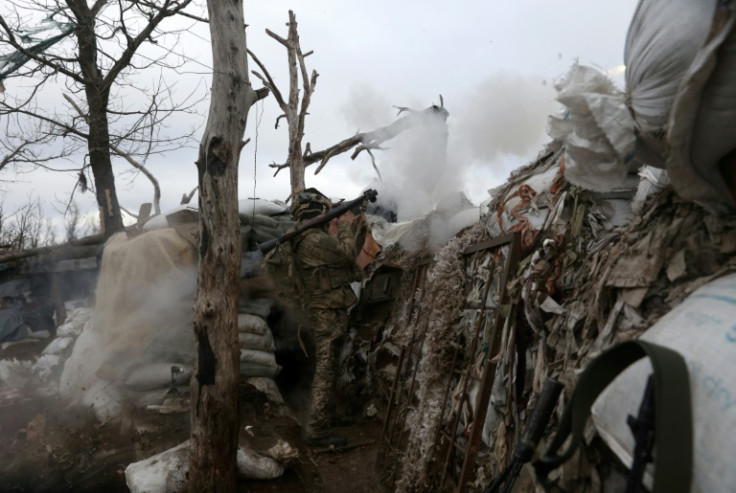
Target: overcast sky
[{"x": 493, "y": 62}]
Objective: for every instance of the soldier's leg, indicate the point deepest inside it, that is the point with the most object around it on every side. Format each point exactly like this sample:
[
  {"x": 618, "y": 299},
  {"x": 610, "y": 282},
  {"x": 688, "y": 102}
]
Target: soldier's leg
[{"x": 329, "y": 328}]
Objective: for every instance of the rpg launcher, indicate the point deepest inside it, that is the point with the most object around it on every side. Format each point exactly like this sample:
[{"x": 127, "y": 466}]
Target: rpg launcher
[{"x": 337, "y": 211}]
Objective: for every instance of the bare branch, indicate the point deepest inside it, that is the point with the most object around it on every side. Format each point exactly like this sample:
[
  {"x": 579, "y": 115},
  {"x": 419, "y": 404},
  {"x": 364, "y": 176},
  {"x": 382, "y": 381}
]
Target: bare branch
[
  {"x": 130, "y": 160},
  {"x": 124, "y": 59},
  {"x": 277, "y": 38},
  {"x": 186, "y": 198},
  {"x": 277, "y": 121},
  {"x": 268, "y": 81},
  {"x": 368, "y": 141}
]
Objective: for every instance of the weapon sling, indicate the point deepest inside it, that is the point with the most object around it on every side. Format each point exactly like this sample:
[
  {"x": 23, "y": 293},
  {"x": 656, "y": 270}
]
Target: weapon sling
[{"x": 673, "y": 413}]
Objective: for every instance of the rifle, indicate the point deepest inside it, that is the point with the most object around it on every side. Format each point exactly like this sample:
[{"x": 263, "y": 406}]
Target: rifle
[
  {"x": 328, "y": 216},
  {"x": 642, "y": 427},
  {"x": 524, "y": 450}
]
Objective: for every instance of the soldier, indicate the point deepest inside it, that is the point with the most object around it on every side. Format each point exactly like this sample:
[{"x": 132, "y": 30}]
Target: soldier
[{"x": 325, "y": 257}]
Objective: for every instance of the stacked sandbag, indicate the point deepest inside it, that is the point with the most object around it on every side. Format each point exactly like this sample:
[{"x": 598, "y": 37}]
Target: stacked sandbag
[
  {"x": 264, "y": 219},
  {"x": 50, "y": 363},
  {"x": 260, "y": 221},
  {"x": 257, "y": 357}
]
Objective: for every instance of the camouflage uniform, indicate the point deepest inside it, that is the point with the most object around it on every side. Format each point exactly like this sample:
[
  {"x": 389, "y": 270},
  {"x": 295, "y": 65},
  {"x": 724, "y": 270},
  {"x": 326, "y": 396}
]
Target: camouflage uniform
[{"x": 327, "y": 266}]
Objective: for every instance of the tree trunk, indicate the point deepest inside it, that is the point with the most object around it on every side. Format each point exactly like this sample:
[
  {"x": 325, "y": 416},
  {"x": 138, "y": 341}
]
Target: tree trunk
[
  {"x": 295, "y": 157},
  {"x": 214, "y": 417},
  {"x": 111, "y": 220},
  {"x": 98, "y": 140}
]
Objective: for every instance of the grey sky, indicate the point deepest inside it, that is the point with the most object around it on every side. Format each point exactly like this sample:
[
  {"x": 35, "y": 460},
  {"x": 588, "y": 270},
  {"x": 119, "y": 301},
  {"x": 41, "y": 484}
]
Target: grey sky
[{"x": 494, "y": 62}]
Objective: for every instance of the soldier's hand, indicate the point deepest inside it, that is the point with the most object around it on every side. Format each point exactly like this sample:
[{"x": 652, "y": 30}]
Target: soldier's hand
[
  {"x": 332, "y": 229},
  {"x": 348, "y": 217}
]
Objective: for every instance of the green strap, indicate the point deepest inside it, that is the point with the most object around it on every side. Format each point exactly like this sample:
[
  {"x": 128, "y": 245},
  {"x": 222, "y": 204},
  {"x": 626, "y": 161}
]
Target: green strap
[{"x": 673, "y": 414}]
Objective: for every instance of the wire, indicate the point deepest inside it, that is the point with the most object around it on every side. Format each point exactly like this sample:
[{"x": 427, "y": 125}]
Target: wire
[{"x": 259, "y": 118}]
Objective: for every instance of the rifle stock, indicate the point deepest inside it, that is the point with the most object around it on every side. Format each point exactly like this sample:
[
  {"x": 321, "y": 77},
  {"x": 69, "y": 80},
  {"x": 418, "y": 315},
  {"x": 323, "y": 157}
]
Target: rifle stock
[{"x": 328, "y": 216}]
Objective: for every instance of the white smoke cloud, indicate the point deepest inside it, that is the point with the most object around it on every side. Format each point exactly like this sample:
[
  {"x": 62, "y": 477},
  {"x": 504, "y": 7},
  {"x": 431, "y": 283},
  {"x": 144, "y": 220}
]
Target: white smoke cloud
[
  {"x": 504, "y": 115},
  {"x": 366, "y": 108}
]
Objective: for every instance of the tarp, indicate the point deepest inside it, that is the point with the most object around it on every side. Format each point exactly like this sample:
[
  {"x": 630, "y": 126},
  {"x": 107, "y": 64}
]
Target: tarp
[{"x": 144, "y": 299}]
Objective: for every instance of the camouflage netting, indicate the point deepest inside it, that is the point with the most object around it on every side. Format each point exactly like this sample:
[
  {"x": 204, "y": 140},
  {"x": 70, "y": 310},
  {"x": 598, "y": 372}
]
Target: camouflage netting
[{"x": 591, "y": 275}]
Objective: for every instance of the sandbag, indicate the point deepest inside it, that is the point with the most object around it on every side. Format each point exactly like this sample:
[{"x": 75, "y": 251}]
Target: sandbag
[
  {"x": 248, "y": 340},
  {"x": 680, "y": 61},
  {"x": 162, "y": 473},
  {"x": 249, "y": 207},
  {"x": 257, "y": 466},
  {"x": 264, "y": 358},
  {"x": 251, "y": 323},
  {"x": 259, "y": 220},
  {"x": 596, "y": 128},
  {"x": 663, "y": 39},
  {"x": 248, "y": 369},
  {"x": 157, "y": 376},
  {"x": 160, "y": 221},
  {"x": 702, "y": 330},
  {"x": 167, "y": 472},
  {"x": 702, "y": 127}
]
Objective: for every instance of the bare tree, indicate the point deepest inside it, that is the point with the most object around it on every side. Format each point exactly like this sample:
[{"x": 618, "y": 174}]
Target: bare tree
[
  {"x": 90, "y": 60},
  {"x": 295, "y": 111},
  {"x": 71, "y": 223},
  {"x": 23, "y": 228},
  {"x": 214, "y": 388}
]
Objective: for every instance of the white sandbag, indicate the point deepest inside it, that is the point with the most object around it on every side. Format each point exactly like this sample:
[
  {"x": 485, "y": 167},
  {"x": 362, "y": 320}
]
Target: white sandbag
[
  {"x": 652, "y": 180},
  {"x": 265, "y": 358},
  {"x": 79, "y": 382},
  {"x": 256, "y": 466},
  {"x": 663, "y": 38},
  {"x": 58, "y": 345},
  {"x": 680, "y": 65},
  {"x": 157, "y": 376},
  {"x": 160, "y": 221},
  {"x": 248, "y": 207},
  {"x": 76, "y": 319},
  {"x": 596, "y": 128},
  {"x": 162, "y": 473},
  {"x": 248, "y": 340},
  {"x": 46, "y": 364},
  {"x": 167, "y": 472},
  {"x": 702, "y": 330},
  {"x": 251, "y": 323},
  {"x": 702, "y": 124}
]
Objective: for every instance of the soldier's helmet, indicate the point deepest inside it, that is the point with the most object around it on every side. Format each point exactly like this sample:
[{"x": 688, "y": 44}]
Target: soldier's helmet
[{"x": 310, "y": 203}]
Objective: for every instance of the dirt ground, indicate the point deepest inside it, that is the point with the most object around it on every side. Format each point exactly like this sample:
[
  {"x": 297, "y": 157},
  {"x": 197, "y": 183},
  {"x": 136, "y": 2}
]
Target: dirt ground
[{"x": 48, "y": 446}]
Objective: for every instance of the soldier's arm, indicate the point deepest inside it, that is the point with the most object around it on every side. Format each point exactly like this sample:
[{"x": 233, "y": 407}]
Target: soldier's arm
[{"x": 345, "y": 240}]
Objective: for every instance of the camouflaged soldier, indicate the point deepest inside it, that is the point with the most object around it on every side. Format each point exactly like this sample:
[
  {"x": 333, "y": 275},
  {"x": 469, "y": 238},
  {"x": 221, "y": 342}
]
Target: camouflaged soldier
[{"x": 325, "y": 256}]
